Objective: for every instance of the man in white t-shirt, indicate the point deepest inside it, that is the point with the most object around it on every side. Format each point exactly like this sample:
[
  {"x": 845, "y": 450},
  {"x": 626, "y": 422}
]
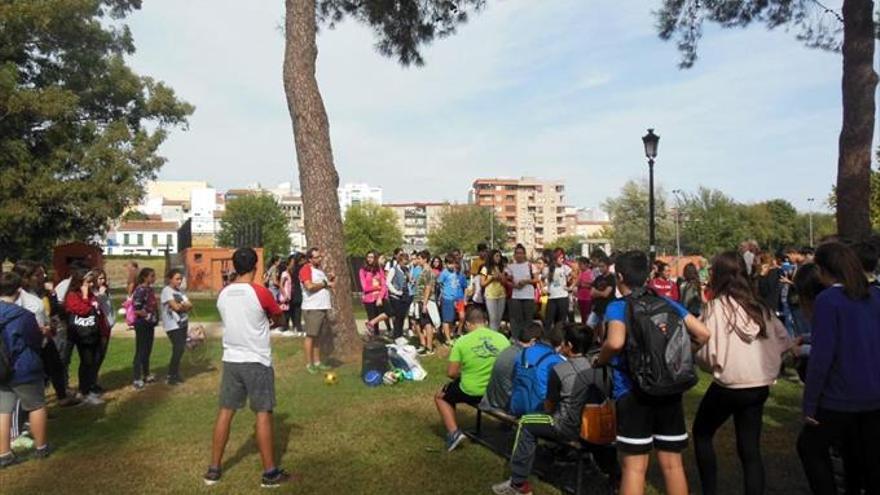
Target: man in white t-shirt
[
  {"x": 248, "y": 311},
  {"x": 316, "y": 306}
]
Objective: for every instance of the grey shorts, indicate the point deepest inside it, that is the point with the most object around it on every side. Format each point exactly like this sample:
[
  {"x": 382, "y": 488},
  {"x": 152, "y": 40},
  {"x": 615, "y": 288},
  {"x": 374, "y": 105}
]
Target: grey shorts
[
  {"x": 316, "y": 322},
  {"x": 251, "y": 382},
  {"x": 31, "y": 395}
]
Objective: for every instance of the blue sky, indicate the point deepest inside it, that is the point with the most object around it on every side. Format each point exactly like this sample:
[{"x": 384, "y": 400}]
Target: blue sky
[{"x": 558, "y": 90}]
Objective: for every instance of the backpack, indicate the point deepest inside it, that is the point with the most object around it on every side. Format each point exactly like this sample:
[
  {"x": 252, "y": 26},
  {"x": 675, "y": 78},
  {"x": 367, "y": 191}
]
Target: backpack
[
  {"x": 527, "y": 396},
  {"x": 658, "y": 347},
  {"x": 6, "y": 365}
]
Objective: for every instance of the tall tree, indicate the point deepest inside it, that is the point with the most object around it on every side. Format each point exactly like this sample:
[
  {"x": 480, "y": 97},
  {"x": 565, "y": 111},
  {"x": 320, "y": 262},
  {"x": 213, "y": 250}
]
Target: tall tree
[
  {"x": 818, "y": 26},
  {"x": 572, "y": 244},
  {"x": 257, "y": 221},
  {"x": 371, "y": 227},
  {"x": 465, "y": 226},
  {"x": 629, "y": 218},
  {"x": 79, "y": 130},
  {"x": 401, "y": 27},
  {"x": 712, "y": 222}
]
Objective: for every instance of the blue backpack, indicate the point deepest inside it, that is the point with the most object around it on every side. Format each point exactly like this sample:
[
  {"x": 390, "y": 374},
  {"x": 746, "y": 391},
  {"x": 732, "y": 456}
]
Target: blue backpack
[{"x": 527, "y": 396}]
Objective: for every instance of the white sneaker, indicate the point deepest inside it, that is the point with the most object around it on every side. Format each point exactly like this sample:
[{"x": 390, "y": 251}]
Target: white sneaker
[
  {"x": 288, "y": 334},
  {"x": 93, "y": 400},
  {"x": 275, "y": 331}
]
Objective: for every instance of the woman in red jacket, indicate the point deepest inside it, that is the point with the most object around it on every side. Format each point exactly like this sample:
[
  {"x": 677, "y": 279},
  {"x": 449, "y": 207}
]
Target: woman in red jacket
[{"x": 87, "y": 323}]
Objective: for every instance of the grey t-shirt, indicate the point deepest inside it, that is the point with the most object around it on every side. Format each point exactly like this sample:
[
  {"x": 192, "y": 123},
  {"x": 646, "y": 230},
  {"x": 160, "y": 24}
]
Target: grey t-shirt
[
  {"x": 501, "y": 382},
  {"x": 569, "y": 387},
  {"x": 171, "y": 320}
]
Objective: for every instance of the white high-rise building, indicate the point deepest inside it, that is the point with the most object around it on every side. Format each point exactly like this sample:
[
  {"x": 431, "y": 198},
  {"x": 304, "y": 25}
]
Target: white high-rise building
[{"x": 353, "y": 194}]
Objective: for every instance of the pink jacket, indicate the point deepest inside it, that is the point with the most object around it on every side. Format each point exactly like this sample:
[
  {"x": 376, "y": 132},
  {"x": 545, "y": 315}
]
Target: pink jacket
[
  {"x": 373, "y": 284},
  {"x": 735, "y": 355}
]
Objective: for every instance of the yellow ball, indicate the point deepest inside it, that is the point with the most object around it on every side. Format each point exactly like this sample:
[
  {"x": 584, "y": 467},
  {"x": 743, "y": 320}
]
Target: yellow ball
[{"x": 331, "y": 378}]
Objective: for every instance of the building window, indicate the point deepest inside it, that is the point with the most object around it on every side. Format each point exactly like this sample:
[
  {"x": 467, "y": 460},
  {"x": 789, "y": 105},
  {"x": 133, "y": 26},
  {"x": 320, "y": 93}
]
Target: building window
[
  {"x": 140, "y": 241},
  {"x": 168, "y": 240},
  {"x": 125, "y": 240},
  {"x": 155, "y": 239}
]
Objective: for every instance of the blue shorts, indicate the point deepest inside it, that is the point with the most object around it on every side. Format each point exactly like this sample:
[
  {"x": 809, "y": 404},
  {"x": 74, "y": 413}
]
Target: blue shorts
[{"x": 447, "y": 310}]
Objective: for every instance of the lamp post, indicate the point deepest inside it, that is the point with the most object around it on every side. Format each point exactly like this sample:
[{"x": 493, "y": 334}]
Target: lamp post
[
  {"x": 810, "y": 214},
  {"x": 650, "y": 140}
]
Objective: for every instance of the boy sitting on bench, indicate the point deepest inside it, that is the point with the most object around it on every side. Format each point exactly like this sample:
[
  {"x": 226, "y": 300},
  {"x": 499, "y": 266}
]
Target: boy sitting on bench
[
  {"x": 567, "y": 394},
  {"x": 501, "y": 383}
]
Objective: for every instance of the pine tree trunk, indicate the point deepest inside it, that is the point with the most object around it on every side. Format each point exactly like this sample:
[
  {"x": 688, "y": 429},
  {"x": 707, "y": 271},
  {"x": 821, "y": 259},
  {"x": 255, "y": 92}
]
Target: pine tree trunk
[
  {"x": 317, "y": 174},
  {"x": 859, "y": 85}
]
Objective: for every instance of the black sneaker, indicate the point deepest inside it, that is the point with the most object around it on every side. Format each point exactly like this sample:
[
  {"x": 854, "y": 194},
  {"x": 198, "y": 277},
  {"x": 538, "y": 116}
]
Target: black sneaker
[
  {"x": 212, "y": 477},
  {"x": 9, "y": 459},
  {"x": 275, "y": 478},
  {"x": 44, "y": 452}
]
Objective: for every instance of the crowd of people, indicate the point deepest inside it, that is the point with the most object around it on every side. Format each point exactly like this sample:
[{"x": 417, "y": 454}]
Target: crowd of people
[
  {"x": 43, "y": 324},
  {"x": 538, "y": 339},
  {"x": 740, "y": 318}
]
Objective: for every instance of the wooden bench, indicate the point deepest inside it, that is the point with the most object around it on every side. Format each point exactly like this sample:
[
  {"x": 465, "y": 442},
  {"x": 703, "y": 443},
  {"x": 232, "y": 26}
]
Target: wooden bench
[{"x": 501, "y": 443}]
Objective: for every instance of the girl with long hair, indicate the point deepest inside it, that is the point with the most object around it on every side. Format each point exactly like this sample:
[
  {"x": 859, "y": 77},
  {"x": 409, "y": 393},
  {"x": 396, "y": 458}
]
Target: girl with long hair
[
  {"x": 146, "y": 309},
  {"x": 86, "y": 325},
  {"x": 374, "y": 291},
  {"x": 692, "y": 290},
  {"x": 494, "y": 292},
  {"x": 101, "y": 290},
  {"x": 175, "y": 320},
  {"x": 558, "y": 278},
  {"x": 744, "y": 354},
  {"x": 294, "y": 305},
  {"x": 842, "y": 390}
]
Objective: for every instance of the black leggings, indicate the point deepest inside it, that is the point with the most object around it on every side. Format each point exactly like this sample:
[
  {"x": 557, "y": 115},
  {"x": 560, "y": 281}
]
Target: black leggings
[
  {"x": 557, "y": 312},
  {"x": 399, "y": 308},
  {"x": 89, "y": 355},
  {"x": 294, "y": 314},
  {"x": 747, "y": 407},
  {"x": 143, "y": 333},
  {"x": 856, "y": 434},
  {"x": 178, "y": 345},
  {"x": 54, "y": 369}
]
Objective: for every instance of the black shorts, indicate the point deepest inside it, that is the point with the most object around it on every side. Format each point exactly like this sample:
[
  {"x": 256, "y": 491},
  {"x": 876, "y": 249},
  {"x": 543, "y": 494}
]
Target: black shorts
[
  {"x": 453, "y": 395},
  {"x": 644, "y": 423}
]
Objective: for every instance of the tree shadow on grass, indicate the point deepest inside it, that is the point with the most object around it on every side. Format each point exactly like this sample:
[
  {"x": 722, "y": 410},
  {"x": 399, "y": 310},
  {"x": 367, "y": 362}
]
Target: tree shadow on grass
[
  {"x": 194, "y": 363},
  {"x": 282, "y": 431}
]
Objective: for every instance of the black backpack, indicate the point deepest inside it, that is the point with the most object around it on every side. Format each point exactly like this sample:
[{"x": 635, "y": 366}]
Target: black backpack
[
  {"x": 374, "y": 357},
  {"x": 6, "y": 367},
  {"x": 658, "y": 347}
]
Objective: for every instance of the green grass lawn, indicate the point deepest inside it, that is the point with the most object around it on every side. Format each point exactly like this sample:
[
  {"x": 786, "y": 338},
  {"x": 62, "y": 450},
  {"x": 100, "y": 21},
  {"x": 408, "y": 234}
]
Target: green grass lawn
[{"x": 343, "y": 439}]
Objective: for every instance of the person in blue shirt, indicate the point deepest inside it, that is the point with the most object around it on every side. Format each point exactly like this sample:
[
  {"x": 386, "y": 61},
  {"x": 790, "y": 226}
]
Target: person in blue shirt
[
  {"x": 542, "y": 356},
  {"x": 452, "y": 284},
  {"x": 842, "y": 390},
  {"x": 23, "y": 340},
  {"x": 644, "y": 422}
]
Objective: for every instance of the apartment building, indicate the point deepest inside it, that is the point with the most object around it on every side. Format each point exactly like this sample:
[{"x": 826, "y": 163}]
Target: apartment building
[
  {"x": 533, "y": 210},
  {"x": 416, "y": 220},
  {"x": 353, "y": 194}
]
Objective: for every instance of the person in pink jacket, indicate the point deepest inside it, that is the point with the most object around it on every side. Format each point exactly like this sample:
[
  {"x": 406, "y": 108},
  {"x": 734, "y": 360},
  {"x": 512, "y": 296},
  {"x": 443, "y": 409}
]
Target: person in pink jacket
[
  {"x": 375, "y": 291},
  {"x": 744, "y": 354}
]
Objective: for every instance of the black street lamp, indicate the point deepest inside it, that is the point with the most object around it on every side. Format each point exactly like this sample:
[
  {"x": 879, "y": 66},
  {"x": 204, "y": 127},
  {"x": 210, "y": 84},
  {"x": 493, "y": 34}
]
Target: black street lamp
[{"x": 651, "y": 140}]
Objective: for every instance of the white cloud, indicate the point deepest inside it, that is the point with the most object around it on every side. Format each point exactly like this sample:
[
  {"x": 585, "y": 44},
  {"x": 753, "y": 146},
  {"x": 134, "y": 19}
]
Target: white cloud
[{"x": 557, "y": 90}]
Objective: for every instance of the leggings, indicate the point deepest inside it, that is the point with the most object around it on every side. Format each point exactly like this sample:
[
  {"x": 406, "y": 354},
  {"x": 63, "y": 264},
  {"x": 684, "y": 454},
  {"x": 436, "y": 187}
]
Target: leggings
[
  {"x": 294, "y": 313},
  {"x": 495, "y": 308},
  {"x": 746, "y": 405},
  {"x": 178, "y": 346},
  {"x": 399, "y": 308},
  {"x": 144, "y": 332},
  {"x": 54, "y": 369},
  {"x": 557, "y": 312},
  {"x": 89, "y": 355},
  {"x": 857, "y": 435}
]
